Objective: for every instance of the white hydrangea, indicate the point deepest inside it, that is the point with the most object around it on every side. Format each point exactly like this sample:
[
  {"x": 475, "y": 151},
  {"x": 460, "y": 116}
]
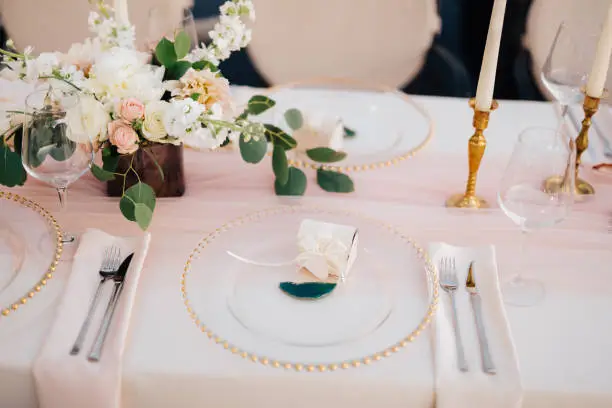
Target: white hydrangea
[
  {"x": 182, "y": 117},
  {"x": 112, "y": 33}
]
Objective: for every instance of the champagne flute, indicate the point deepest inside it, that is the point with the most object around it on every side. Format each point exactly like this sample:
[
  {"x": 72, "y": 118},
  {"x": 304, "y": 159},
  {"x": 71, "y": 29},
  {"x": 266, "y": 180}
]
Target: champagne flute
[
  {"x": 538, "y": 153},
  {"x": 55, "y": 147},
  {"x": 567, "y": 65}
]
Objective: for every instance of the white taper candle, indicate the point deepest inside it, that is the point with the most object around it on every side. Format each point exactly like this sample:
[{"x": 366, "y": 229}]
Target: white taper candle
[
  {"x": 121, "y": 12},
  {"x": 486, "y": 81},
  {"x": 601, "y": 62}
]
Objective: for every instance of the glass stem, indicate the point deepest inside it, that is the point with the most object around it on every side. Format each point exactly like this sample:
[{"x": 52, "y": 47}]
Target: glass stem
[
  {"x": 518, "y": 278},
  {"x": 62, "y": 195}
]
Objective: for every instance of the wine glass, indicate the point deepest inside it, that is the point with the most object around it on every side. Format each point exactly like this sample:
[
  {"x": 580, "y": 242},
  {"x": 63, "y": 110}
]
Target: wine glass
[
  {"x": 567, "y": 65},
  {"x": 55, "y": 147},
  {"x": 538, "y": 154},
  {"x": 161, "y": 24}
]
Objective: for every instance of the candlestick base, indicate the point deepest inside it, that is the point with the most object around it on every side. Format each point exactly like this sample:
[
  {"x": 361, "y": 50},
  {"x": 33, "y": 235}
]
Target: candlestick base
[
  {"x": 462, "y": 201},
  {"x": 555, "y": 184}
]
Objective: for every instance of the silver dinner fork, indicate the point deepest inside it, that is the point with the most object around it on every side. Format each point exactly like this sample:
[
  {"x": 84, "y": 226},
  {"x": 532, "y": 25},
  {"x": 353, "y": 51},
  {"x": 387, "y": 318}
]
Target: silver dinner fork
[
  {"x": 108, "y": 269},
  {"x": 449, "y": 282}
]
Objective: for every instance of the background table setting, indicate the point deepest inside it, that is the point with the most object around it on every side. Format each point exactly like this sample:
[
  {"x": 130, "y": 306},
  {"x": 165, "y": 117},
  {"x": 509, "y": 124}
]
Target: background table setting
[{"x": 342, "y": 276}]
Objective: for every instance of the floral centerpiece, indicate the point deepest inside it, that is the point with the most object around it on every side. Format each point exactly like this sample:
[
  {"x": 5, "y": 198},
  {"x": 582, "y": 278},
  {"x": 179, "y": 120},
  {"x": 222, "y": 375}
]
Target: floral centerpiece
[{"x": 133, "y": 102}]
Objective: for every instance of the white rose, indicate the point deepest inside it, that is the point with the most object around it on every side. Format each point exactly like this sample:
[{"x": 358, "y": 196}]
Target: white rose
[
  {"x": 153, "y": 126},
  {"x": 89, "y": 122}
]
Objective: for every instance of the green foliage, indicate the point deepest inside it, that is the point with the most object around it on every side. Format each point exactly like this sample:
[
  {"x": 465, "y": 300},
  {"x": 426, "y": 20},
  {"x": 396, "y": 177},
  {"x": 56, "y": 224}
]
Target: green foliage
[
  {"x": 325, "y": 155},
  {"x": 182, "y": 44},
  {"x": 348, "y": 132},
  {"x": 279, "y": 165},
  {"x": 294, "y": 119},
  {"x": 259, "y": 104},
  {"x": 110, "y": 159},
  {"x": 101, "y": 174},
  {"x": 200, "y": 65},
  {"x": 165, "y": 53},
  {"x": 138, "y": 196},
  {"x": 252, "y": 149},
  {"x": 12, "y": 172},
  {"x": 295, "y": 186},
  {"x": 177, "y": 70},
  {"x": 334, "y": 182},
  {"x": 278, "y": 137}
]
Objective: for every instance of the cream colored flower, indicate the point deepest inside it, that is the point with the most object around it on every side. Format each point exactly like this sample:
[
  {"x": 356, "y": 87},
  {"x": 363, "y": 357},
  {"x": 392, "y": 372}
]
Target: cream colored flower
[
  {"x": 153, "y": 125},
  {"x": 211, "y": 89},
  {"x": 88, "y": 122}
]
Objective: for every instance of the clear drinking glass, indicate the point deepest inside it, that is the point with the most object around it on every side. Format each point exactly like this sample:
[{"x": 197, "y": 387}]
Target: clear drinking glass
[
  {"x": 538, "y": 154},
  {"x": 55, "y": 147},
  {"x": 161, "y": 24},
  {"x": 567, "y": 66}
]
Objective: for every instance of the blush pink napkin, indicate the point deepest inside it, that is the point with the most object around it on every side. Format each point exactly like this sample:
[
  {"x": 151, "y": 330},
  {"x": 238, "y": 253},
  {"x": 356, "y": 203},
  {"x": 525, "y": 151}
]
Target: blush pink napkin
[{"x": 66, "y": 381}]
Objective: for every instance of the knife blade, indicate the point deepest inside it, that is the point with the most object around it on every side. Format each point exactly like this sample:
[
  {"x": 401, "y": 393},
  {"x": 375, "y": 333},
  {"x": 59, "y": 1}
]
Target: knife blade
[
  {"x": 487, "y": 361},
  {"x": 98, "y": 344}
]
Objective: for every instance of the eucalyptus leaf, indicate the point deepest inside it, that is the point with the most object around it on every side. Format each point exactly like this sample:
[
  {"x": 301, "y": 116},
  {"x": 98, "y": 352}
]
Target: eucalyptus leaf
[
  {"x": 165, "y": 53},
  {"x": 110, "y": 159},
  {"x": 325, "y": 155},
  {"x": 253, "y": 150},
  {"x": 182, "y": 44},
  {"x": 200, "y": 65},
  {"x": 279, "y": 165},
  {"x": 177, "y": 70},
  {"x": 294, "y": 118},
  {"x": 259, "y": 104},
  {"x": 295, "y": 186},
  {"x": 307, "y": 290},
  {"x": 139, "y": 193},
  {"x": 334, "y": 182},
  {"x": 101, "y": 174},
  {"x": 143, "y": 215},
  {"x": 278, "y": 137},
  {"x": 12, "y": 172},
  {"x": 348, "y": 132}
]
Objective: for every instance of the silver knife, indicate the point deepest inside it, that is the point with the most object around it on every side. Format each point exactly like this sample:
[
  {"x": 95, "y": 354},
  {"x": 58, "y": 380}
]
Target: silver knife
[
  {"x": 487, "y": 361},
  {"x": 96, "y": 348}
]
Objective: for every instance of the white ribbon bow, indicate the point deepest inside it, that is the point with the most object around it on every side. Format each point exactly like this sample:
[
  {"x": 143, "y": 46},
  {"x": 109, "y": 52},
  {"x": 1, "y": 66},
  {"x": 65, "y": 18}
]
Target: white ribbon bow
[{"x": 324, "y": 256}]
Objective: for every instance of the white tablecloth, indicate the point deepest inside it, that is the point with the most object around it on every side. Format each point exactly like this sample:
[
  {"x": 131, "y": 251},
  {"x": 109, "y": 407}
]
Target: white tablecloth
[{"x": 562, "y": 344}]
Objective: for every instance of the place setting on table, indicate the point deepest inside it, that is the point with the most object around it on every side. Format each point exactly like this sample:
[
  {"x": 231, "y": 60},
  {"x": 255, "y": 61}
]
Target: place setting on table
[{"x": 302, "y": 286}]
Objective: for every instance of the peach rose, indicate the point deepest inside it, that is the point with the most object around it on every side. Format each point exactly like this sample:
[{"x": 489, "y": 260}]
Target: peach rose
[
  {"x": 131, "y": 109},
  {"x": 123, "y": 136}
]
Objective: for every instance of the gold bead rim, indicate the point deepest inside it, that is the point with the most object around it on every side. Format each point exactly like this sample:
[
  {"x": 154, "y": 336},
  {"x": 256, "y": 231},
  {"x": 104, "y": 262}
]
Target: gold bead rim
[{"x": 49, "y": 271}]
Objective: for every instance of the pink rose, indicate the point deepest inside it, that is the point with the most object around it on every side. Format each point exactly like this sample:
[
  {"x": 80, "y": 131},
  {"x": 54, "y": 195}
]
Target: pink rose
[
  {"x": 131, "y": 109},
  {"x": 123, "y": 136}
]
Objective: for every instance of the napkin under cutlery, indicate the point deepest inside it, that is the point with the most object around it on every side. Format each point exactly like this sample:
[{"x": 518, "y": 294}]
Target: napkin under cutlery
[
  {"x": 456, "y": 389},
  {"x": 63, "y": 380}
]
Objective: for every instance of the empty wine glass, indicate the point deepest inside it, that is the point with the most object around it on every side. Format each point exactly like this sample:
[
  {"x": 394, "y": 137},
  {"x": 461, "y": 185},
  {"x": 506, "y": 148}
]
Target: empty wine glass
[
  {"x": 538, "y": 154},
  {"x": 55, "y": 147},
  {"x": 162, "y": 23},
  {"x": 567, "y": 66}
]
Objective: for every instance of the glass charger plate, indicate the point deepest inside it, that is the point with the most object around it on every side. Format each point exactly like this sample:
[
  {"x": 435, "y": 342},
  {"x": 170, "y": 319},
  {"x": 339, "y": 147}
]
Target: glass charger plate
[
  {"x": 230, "y": 289},
  {"x": 390, "y": 127},
  {"x": 30, "y": 248}
]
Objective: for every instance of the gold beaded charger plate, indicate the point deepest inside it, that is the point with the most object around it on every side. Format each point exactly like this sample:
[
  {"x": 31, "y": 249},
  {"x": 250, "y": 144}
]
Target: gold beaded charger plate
[
  {"x": 30, "y": 249},
  {"x": 385, "y": 125},
  {"x": 230, "y": 287}
]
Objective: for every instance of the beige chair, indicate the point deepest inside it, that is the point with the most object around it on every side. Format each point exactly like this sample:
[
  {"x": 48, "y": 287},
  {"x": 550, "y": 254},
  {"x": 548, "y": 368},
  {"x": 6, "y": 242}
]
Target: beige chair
[
  {"x": 543, "y": 20},
  {"x": 50, "y": 25},
  {"x": 368, "y": 40}
]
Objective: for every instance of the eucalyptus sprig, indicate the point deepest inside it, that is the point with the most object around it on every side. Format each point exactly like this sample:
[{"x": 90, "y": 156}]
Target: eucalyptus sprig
[{"x": 290, "y": 180}]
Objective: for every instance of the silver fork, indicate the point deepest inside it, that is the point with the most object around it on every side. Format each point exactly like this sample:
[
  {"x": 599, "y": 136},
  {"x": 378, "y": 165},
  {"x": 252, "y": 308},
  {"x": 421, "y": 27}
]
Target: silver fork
[
  {"x": 108, "y": 269},
  {"x": 449, "y": 283}
]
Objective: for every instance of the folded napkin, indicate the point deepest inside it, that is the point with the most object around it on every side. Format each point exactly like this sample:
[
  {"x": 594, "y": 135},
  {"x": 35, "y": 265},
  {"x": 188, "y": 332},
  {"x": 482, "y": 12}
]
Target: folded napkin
[
  {"x": 456, "y": 389},
  {"x": 63, "y": 380}
]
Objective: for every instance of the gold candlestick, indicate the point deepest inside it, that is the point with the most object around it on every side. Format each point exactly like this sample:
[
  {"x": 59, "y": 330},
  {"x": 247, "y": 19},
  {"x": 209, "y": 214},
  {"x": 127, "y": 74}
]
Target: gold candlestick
[
  {"x": 476, "y": 149},
  {"x": 556, "y": 183}
]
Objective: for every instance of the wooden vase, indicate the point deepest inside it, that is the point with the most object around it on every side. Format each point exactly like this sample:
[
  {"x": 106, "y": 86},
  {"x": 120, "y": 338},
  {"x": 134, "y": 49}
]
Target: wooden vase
[{"x": 169, "y": 159}]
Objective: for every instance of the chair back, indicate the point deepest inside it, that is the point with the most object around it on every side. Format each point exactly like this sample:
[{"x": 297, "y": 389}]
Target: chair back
[{"x": 368, "y": 40}]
